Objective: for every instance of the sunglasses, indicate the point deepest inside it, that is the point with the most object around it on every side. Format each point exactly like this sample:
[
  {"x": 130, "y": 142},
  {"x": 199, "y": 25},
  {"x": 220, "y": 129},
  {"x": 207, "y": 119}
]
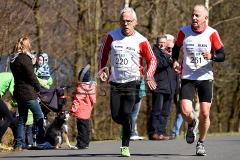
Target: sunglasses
[
  {"x": 126, "y": 21},
  {"x": 169, "y": 48}
]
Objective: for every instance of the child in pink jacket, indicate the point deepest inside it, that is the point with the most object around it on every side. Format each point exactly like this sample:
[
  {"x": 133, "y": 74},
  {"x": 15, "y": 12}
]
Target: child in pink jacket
[{"x": 82, "y": 106}]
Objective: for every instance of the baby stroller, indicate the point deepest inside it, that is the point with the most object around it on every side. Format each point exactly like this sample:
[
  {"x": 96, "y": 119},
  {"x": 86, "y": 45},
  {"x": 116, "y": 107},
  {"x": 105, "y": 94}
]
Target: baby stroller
[{"x": 52, "y": 100}]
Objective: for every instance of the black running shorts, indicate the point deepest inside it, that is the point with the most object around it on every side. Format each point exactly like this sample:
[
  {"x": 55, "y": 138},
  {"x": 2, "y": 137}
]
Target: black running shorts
[{"x": 204, "y": 88}]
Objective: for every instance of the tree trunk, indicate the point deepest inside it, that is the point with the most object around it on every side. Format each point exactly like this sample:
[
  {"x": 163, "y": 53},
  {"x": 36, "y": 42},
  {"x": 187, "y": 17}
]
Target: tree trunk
[
  {"x": 96, "y": 30},
  {"x": 207, "y": 6},
  {"x": 79, "y": 54},
  {"x": 126, "y": 3},
  {"x": 38, "y": 23},
  {"x": 235, "y": 110},
  {"x": 153, "y": 21}
]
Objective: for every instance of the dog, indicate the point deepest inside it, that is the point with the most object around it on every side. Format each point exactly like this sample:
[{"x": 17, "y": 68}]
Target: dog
[{"x": 58, "y": 130}]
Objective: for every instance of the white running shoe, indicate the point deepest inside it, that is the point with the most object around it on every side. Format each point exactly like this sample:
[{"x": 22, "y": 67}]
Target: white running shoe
[
  {"x": 200, "y": 150},
  {"x": 134, "y": 138}
]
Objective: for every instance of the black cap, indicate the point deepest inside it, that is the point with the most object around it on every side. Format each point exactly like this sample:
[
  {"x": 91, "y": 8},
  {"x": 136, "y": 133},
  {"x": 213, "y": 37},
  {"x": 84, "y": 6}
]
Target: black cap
[{"x": 84, "y": 75}]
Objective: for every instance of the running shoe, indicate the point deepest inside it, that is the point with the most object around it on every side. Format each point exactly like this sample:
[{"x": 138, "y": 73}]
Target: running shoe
[
  {"x": 200, "y": 150},
  {"x": 134, "y": 138},
  {"x": 80, "y": 147},
  {"x": 125, "y": 151},
  {"x": 3, "y": 147},
  {"x": 18, "y": 148},
  {"x": 192, "y": 131},
  {"x": 163, "y": 137}
]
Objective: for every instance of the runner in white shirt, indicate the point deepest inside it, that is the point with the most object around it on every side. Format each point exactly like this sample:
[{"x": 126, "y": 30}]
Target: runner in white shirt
[
  {"x": 126, "y": 48},
  {"x": 201, "y": 46}
]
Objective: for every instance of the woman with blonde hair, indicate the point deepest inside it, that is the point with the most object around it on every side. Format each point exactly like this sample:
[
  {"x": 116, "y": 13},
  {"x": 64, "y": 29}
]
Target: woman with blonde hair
[{"x": 25, "y": 90}]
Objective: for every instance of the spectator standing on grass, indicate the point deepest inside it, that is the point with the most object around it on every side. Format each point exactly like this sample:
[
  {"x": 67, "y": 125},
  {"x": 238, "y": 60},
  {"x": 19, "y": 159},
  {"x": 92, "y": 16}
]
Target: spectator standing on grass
[
  {"x": 178, "y": 118},
  {"x": 135, "y": 112},
  {"x": 25, "y": 90},
  {"x": 84, "y": 99},
  {"x": 162, "y": 96}
]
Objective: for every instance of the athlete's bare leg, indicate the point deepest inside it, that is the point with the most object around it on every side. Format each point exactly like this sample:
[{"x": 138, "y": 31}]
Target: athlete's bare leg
[
  {"x": 187, "y": 110},
  {"x": 204, "y": 120}
]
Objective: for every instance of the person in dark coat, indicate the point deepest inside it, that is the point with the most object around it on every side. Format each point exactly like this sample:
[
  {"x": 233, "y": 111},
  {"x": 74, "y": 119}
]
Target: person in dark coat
[
  {"x": 25, "y": 90},
  {"x": 162, "y": 96}
]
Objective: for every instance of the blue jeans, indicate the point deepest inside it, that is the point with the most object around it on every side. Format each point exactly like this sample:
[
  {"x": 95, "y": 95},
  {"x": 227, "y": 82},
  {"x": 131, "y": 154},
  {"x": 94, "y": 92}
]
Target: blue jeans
[
  {"x": 161, "y": 106},
  {"x": 134, "y": 116},
  {"x": 178, "y": 120},
  {"x": 38, "y": 116},
  {"x": 29, "y": 135}
]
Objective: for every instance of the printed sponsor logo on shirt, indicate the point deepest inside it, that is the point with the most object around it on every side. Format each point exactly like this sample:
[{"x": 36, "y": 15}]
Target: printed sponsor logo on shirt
[
  {"x": 129, "y": 48},
  {"x": 190, "y": 44},
  {"x": 202, "y": 45},
  {"x": 118, "y": 46}
]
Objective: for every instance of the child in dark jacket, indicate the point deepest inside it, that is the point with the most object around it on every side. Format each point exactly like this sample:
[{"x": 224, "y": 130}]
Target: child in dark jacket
[{"x": 82, "y": 107}]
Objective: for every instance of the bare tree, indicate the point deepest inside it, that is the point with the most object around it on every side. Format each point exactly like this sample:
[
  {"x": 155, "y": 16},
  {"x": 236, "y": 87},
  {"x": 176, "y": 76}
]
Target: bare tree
[
  {"x": 37, "y": 19},
  {"x": 126, "y": 3}
]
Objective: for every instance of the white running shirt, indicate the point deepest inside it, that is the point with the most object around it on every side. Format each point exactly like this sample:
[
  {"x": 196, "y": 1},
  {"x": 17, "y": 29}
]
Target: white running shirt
[
  {"x": 126, "y": 55},
  {"x": 194, "y": 66}
]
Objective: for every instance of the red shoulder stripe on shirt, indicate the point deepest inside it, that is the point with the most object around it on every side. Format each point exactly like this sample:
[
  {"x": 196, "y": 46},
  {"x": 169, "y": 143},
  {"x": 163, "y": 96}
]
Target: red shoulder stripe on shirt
[
  {"x": 147, "y": 53},
  {"x": 180, "y": 38},
  {"x": 216, "y": 41},
  {"x": 104, "y": 52}
]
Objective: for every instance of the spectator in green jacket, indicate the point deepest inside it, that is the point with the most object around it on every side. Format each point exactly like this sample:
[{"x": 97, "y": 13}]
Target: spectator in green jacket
[{"x": 7, "y": 117}]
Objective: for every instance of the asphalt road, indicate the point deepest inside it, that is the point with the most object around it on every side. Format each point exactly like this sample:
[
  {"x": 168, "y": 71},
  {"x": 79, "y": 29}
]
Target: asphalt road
[{"x": 218, "y": 148}]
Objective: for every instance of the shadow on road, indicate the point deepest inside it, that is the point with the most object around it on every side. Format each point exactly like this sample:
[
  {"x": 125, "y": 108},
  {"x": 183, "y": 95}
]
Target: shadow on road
[{"x": 100, "y": 155}]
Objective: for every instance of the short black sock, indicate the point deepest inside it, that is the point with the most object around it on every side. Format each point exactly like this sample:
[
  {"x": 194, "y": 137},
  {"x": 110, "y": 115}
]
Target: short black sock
[
  {"x": 191, "y": 124},
  {"x": 200, "y": 141}
]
